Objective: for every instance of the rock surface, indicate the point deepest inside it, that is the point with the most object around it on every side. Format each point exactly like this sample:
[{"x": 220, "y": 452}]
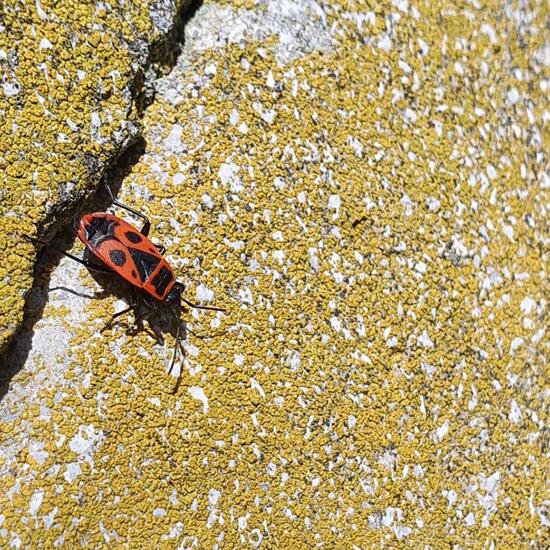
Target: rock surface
[
  {"x": 364, "y": 190},
  {"x": 73, "y": 80}
]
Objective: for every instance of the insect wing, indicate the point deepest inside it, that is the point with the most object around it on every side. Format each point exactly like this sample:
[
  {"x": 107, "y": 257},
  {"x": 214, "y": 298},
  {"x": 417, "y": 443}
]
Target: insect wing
[{"x": 129, "y": 253}]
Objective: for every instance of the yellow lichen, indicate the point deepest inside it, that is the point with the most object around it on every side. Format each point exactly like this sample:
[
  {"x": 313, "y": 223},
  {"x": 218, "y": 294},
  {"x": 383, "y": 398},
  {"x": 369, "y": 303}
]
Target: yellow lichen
[{"x": 378, "y": 376}]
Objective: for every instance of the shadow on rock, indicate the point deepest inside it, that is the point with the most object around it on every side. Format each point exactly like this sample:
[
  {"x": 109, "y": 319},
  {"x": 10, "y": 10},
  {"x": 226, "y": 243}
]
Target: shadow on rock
[{"x": 47, "y": 261}]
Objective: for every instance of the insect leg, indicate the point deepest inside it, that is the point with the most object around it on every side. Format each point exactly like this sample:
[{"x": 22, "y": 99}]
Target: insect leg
[
  {"x": 88, "y": 264},
  {"x": 176, "y": 347},
  {"x": 178, "y": 382},
  {"x": 115, "y": 316},
  {"x": 161, "y": 249},
  {"x": 146, "y": 226},
  {"x": 145, "y": 316}
]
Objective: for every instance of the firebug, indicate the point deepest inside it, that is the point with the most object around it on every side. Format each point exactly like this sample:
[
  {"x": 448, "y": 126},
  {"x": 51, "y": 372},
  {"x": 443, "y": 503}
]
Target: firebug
[{"x": 127, "y": 252}]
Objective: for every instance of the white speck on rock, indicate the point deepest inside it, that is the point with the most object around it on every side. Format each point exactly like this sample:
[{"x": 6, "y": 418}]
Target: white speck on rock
[
  {"x": 279, "y": 255},
  {"x": 537, "y": 337},
  {"x": 207, "y": 201},
  {"x": 37, "y": 453},
  {"x": 424, "y": 49},
  {"x": 192, "y": 350},
  {"x": 228, "y": 176},
  {"x": 245, "y": 295},
  {"x": 490, "y": 484},
  {"x": 508, "y": 230},
  {"x": 234, "y": 117},
  {"x": 409, "y": 115},
  {"x": 425, "y": 340},
  {"x": 515, "y": 344},
  {"x": 527, "y": 305},
  {"x": 442, "y": 430},
  {"x": 491, "y": 172},
  {"x": 257, "y": 386},
  {"x": 279, "y": 183},
  {"x": 420, "y": 267},
  {"x": 355, "y": 144},
  {"x": 389, "y": 515},
  {"x": 45, "y": 44},
  {"x": 197, "y": 392},
  {"x": 268, "y": 115},
  {"x": 204, "y": 294},
  {"x": 178, "y": 178},
  {"x": 336, "y": 324},
  {"x": 384, "y": 43},
  {"x": 210, "y": 69},
  {"x": 41, "y": 13},
  {"x": 515, "y": 412},
  {"x": 542, "y": 55},
  {"x": 294, "y": 361},
  {"x": 84, "y": 442},
  {"x": 451, "y": 497},
  {"x": 72, "y": 471},
  {"x": 401, "y": 531},
  {"x": 392, "y": 342},
  {"x": 48, "y": 518},
  {"x": 242, "y": 522},
  {"x": 35, "y": 502},
  {"x": 513, "y": 96},
  {"x": 490, "y": 32},
  {"x": 173, "y": 142},
  {"x": 433, "y": 204},
  {"x": 313, "y": 259},
  {"x": 407, "y": 204},
  {"x": 255, "y": 538},
  {"x": 334, "y": 202},
  {"x": 11, "y": 88},
  {"x": 473, "y": 399},
  {"x": 95, "y": 125},
  {"x": 213, "y": 498}
]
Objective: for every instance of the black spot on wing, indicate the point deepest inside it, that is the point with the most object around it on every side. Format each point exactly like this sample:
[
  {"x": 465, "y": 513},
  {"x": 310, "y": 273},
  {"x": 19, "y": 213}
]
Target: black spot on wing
[
  {"x": 133, "y": 237},
  {"x": 146, "y": 263},
  {"x": 161, "y": 280},
  {"x": 118, "y": 257}
]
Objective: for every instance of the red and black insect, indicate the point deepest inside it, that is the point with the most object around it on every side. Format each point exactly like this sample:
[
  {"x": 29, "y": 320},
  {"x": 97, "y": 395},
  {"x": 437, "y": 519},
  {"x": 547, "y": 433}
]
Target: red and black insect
[{"x": 127, "y": 252}]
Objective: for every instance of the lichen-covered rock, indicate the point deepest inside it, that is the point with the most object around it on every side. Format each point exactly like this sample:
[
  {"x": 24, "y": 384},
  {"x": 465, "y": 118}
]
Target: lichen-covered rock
[
  {"x": 71, "y": 86},
  {"x": 369, "y": 205}
]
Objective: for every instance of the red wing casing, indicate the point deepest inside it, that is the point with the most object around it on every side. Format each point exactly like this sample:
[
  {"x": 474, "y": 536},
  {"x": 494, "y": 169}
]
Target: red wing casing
[{"x": 127, "y": 252}]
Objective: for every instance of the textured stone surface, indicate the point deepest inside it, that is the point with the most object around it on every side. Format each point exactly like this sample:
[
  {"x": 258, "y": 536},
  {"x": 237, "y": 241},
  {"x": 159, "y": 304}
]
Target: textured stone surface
[
  {"x": 71, "y": 85},
  {"x": 370, "y": 207}
]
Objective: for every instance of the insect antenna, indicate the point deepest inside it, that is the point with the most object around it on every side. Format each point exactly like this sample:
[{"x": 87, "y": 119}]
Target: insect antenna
[
  {"x": 195, "y": 306},
  {"x": 177, "y": 346}
]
